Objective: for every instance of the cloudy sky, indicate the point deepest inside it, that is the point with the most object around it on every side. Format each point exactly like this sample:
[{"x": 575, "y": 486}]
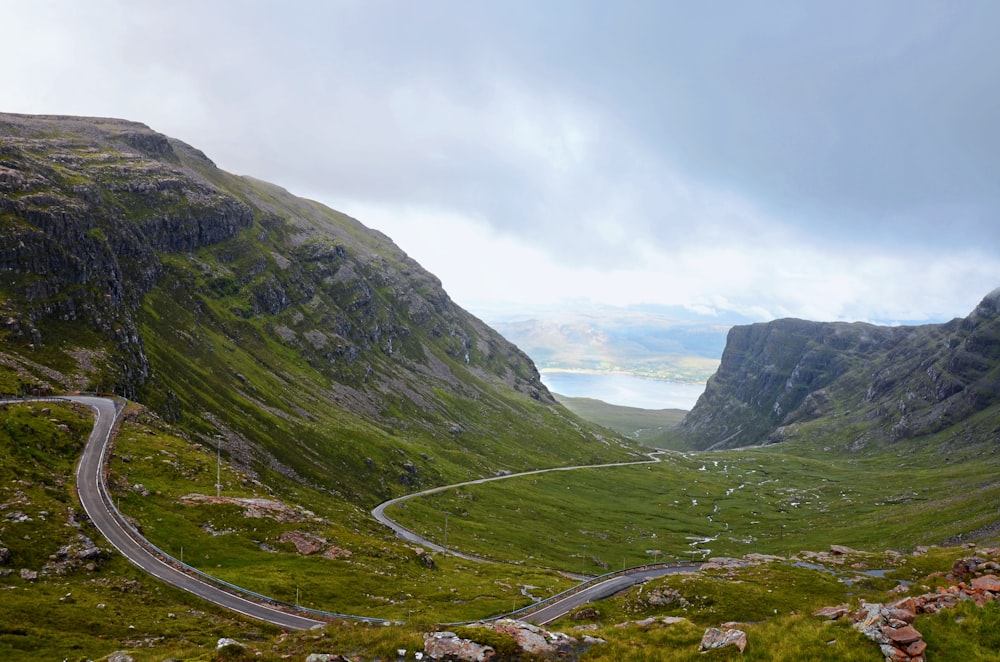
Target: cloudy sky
[{"x": 826, "y": 160}]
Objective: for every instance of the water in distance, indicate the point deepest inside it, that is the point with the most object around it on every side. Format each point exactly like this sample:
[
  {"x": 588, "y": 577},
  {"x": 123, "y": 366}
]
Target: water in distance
[{"x": 624, "y": 390}]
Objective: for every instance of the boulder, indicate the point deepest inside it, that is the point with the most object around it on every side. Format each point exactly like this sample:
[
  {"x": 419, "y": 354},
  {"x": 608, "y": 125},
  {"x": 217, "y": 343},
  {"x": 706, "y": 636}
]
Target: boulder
[
  {"x": 716, "y": 638},
  {"x": 305, "y": 543},
  {"x": 833, "y": 613},
  {"x": 585, "y": 614},
  {"x": 662, "y": 597},
  {"x": 986, "y": 583},
  {"x": 448, "y": 645},
  {"x": 226, "y": 642},
  {"x": 535, "y": 640},
  {"x": 337, "y": 553},
  {"x": 906, "y": 634}
]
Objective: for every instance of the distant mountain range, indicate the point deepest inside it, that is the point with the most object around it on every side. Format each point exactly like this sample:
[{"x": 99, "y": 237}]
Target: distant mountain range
[{"x": 665, "y": 342}]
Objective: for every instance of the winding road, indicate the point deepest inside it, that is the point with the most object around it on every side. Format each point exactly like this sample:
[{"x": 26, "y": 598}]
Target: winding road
[
  {"x": 97, "y": 503},
  {"x": 558, "y": 607},
  {"x": 406, "y": 534}
]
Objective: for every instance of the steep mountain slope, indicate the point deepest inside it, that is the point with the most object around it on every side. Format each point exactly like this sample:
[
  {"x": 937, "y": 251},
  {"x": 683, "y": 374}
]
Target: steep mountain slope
[
  {"x": 304, "y": 344},
  {"x": 855, "y": 384}
]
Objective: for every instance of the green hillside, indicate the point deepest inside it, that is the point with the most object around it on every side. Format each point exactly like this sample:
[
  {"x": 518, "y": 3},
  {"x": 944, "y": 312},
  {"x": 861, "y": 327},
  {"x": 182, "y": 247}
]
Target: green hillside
[
  {"x": 648, "y": 427},
  {"x": 287, "y": 368}
]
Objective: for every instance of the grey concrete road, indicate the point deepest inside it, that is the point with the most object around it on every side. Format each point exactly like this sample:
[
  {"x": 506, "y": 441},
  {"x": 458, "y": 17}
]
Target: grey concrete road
[{"x": 93, "y": 497}]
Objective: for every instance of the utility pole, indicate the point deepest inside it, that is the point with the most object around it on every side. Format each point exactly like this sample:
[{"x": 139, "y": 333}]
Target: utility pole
[
  {"x": 218, "y": 473},
  {"x": 446, "y": 513}
]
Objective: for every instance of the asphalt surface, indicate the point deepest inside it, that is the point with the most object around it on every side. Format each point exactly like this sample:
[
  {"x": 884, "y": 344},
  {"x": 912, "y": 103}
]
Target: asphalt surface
[
  {"x": 557, "y": 609},
  {"x": 96, "y": 502},
  {"x": 411, "y": 536},
  {"x": 93, "y": 496},
  {"x": 605, "y": 589}
]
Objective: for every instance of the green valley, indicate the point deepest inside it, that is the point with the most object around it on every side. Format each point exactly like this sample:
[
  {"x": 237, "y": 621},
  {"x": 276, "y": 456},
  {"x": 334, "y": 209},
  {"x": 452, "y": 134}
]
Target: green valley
[{"x": 284, "y": 369}]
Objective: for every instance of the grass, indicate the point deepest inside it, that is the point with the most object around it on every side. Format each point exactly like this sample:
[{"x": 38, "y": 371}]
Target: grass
[
  {"x": 769, "y": 500},
  {"x": 645, "y": 426},
  {"x": 381, "y": 578},
  {"x": 58, "y": 616},
  {"x": 75, "y": 609}
]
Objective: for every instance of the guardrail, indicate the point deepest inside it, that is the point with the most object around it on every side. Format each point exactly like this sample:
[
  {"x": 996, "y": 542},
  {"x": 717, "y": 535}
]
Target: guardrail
[
  {"x": 166, "y": 558},
  {"x": 184, "y": 567},
  {"x": 593, "y": 581}
]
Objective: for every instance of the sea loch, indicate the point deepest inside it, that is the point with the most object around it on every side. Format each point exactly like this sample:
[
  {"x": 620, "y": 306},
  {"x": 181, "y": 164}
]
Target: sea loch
[{"x": 623, "y": 389}]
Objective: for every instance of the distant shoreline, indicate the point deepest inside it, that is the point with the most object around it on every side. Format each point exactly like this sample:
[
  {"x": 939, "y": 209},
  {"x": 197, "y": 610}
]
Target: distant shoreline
[
  {"x": 625, "y": 373},
  {"x": 623, "y": 388}
]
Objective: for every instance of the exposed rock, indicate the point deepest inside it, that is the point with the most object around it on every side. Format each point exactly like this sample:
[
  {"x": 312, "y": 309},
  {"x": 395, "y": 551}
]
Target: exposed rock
[
  {"x": 986, "y": 583},
  {"x": 335, "y": 552},
  {"x": 535, "y": 640},
  {"x": 81, "y": 552},
  {"x": 305, "y": 543},
  {"x": 29, "y": 575},
  {"x": 119, "y": 656},
  {"x": 833, "y": 613},
  {"x": 255, "y": 507},
  {"x": 585, "y": 614},
  {"x": 326, "y": 657},
  {"x": 426, "y": 559},
  {"x": 905, "y": 634},
  {"x": 892, "y": 382},
  {"x": 449, "y": 646},
  {"x": 225, "y": 642},
  {"x": 716, "y": 638},
  {"x": 661, "y": 597},
  {"x": 890, "y": 625}
]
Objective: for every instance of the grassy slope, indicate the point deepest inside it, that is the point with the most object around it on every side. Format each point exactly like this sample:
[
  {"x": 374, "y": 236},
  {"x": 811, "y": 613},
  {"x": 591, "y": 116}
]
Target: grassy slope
[
  {"x": 776, "y": 499},
  {"x": 646, "y": 426},
  {"x": 291, "y": 401},
  {"x": 89, "y": 608},
  {"x": 384, "y": 577}
]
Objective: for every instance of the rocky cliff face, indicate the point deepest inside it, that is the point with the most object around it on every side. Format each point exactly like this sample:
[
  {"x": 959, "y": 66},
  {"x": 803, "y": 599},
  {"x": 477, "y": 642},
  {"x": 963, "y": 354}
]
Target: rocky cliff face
[
  {"x": 130, "y": 262},
  {"x": 863, "y": 383},
  {"x": 85, "y": 205}
]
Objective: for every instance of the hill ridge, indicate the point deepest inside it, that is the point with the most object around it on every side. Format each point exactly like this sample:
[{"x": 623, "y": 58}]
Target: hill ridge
[{"x": 880, "y": 384}]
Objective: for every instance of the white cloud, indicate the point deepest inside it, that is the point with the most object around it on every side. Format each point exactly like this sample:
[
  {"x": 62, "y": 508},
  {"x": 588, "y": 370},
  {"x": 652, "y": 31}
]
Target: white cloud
[{"x": 621, "y": 159}]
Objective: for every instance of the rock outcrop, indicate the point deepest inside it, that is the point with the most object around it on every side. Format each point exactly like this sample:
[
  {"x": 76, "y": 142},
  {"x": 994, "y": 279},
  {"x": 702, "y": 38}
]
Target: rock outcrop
[
  {"x": 891, "y": 625},
  {"x": 449, "y": 646},
  {"x": 720, "y": 638},
  {"x": 276, "y": 328},
  {"x": 529, "y": 640},
  {"x": 887, "y": 383}
]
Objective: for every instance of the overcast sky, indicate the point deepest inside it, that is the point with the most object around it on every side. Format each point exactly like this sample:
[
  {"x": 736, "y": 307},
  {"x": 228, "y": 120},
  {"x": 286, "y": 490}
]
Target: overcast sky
[{"x": 832, "y": 161}]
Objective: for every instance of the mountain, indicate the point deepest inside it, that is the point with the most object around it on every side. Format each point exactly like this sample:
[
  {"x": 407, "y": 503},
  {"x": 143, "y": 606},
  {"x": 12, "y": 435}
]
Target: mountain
[
  {"x": 300, "y": 342},
  {"x": 854, "y": 385}
]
